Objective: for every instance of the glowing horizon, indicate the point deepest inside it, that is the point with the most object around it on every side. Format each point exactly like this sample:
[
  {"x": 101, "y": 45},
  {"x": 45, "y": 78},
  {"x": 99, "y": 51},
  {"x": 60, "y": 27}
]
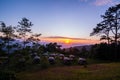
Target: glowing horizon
[{"x": 69, "y": 42}]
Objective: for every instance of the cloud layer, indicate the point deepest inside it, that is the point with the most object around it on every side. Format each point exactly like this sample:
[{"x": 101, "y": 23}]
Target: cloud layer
[
  {"x": 102, "y": 2},
  {"x": 57, "y": 37},
  {"x": 105, "y": 2},
  {"x": 60, "y": 39},
  {"x": 73, "y": 41}
]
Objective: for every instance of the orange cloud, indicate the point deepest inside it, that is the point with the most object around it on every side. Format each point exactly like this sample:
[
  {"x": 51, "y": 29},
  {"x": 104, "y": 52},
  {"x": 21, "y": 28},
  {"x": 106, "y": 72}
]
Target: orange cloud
[{"x": 60, "y": 39}]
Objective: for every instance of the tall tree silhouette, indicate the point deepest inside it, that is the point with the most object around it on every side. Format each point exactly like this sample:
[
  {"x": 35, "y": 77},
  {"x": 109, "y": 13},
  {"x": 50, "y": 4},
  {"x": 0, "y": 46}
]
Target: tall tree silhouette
[
  {"x": 109, "y": 25},
  {"x": 24, "y": 28},
  {"x": 115, "y": 11},
  {"x": 102, "y": 29},
  {"x": 34, "y": 38},
  {"x": 53, "y": 47},
  {"x": 8, "y": 33}
]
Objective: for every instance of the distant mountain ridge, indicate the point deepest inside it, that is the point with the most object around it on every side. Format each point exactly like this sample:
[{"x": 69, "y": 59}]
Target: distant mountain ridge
[{"x": 88, "y": 47}]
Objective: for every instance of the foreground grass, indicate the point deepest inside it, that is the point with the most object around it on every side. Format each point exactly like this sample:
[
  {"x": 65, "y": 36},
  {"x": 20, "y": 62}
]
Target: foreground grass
[{"x": 107, "y": 71}]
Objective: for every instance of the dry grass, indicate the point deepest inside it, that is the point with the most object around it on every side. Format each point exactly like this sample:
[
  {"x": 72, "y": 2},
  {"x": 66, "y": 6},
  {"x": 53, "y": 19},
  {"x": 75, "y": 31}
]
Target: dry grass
[{"x": 108, "y": 71}]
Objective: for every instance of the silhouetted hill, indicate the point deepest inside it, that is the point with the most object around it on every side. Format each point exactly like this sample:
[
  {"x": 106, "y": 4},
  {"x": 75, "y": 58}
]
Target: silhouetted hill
[{"x": 88, "y": 47}]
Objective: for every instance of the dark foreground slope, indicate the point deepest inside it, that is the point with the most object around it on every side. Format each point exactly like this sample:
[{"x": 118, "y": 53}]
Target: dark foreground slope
[{"x": 107, "y": 71}]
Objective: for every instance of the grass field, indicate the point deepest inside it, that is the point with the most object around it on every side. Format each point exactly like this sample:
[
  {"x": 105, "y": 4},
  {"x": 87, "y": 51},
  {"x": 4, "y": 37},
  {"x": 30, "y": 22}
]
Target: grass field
[{"x": 106, "y": 71}]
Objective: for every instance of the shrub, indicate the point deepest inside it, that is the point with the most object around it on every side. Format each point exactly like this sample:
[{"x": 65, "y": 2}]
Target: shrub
[
  {"x": 44, "y": 63},
  {"x": 7, "y": 75}
]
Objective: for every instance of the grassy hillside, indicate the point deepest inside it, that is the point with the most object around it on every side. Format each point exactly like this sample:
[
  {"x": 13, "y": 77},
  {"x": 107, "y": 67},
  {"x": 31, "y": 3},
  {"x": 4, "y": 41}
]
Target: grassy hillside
[{"x": 107, "y": 71}]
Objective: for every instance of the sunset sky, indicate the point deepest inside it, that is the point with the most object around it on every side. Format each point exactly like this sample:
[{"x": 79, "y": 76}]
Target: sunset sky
[{"x": 68, "y": 22}]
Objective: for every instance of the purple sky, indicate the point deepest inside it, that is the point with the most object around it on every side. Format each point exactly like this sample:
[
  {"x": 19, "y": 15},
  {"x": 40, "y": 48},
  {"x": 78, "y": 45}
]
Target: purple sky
[{"x": 64, "y": 18}]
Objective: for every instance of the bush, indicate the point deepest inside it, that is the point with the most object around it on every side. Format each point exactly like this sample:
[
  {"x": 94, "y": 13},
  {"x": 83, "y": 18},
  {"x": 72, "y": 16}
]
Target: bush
[
  {"x": 44, "y": 63},
  {"x": 105, "y": 51},
  {"x": 7, "y": 76}
]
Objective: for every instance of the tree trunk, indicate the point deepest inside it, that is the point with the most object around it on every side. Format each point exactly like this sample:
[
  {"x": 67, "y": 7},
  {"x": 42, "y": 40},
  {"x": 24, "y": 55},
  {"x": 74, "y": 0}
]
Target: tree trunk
[{"x": 116, "y": 28}]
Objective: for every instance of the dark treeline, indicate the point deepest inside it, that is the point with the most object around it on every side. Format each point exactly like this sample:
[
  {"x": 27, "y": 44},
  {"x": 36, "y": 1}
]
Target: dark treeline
[{"x": 104, "y": 51}]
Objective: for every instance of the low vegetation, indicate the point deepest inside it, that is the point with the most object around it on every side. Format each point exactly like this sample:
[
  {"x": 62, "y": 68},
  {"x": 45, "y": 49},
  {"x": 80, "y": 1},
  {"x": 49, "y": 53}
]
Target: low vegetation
[{"x": 107, "y": 71}]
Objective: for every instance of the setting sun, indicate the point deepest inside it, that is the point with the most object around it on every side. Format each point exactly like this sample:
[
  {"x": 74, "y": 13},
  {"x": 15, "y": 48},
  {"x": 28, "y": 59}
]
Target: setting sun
[{"x": 67, "y": 41}]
